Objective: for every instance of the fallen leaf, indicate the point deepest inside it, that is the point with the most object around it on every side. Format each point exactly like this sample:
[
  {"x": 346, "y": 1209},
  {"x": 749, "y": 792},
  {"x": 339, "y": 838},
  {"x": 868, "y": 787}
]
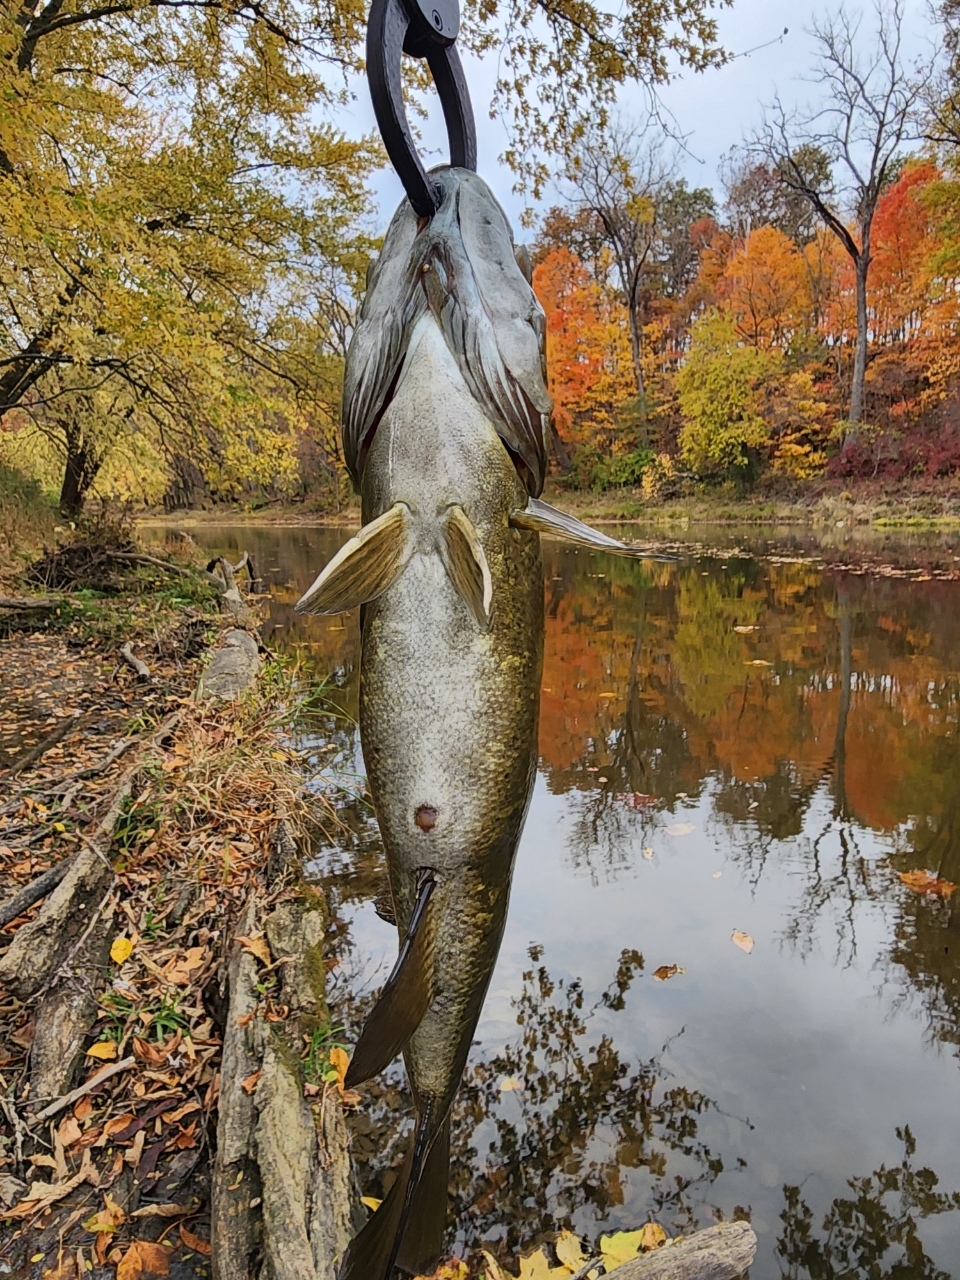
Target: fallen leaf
[
  {"x": 648, "y": 853},
  {"x": 259, "y": 946},
  {"x": 42, "y": 1194},
  {"x": 194, "y": 1242},
  {"x": 250, "y": 1084},
  {"x": 570, "y": 1251},
  {"x": 717, "y": 875},
  {"x": 536, "y": 1266},
  {"x": 118, "y": 1124},
  {"x": 492, "y": 1267},
  {"x": 64, "y": 1269},
  {"x": 745, "y": 631},
  {"x": 120, "y": 950},
  {"x": 147, "y": 1053},
  {"x": 164, "y": 1210},
  {"x": 371, "y": 1202},
  {"x": 652, "y": 1235},
  {"x": 452, "y": 1269},
  {"x": 742, "y": 940},
  {"x": 83, "y": 1109},
  {"x": 339, "y": 1061},
  {"x": 510, "y": 1084},
  {"x": 105, "y": 1050},
  {"x": 181, "y": 972},
  {"x": 144, "y": 1258},
  {"x": 680, "y": 829},
  {"x": 667, "y": 971},
  {"x": 69, "y": 1131},
  {"x": 927, "y": 882},
  {"x": 109, "y": 1219}
]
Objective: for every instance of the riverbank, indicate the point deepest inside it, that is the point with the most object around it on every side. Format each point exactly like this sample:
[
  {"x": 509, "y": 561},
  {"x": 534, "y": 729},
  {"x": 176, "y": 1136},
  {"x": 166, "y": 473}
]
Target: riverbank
[
  {"x": 163, "y": 1023},
  {"x": 816, "y": 505}
]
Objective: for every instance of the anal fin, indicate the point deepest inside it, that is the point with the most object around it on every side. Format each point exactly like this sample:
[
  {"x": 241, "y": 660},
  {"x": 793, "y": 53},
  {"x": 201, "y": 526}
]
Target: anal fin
[
  {"x": 466, "y": 563},
  {"x": 404, "y": 1000},
  {"x": 540, "y": 517},
  {"x": 364, "y": 567}
]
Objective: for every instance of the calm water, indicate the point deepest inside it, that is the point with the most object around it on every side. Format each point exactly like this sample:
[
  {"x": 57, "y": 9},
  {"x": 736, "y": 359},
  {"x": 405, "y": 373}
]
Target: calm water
[{"x": 696, "y": 780}]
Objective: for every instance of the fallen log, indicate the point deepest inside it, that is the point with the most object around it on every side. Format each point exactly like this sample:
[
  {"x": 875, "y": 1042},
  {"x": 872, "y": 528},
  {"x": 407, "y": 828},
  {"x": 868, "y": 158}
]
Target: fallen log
[
  {"x": 281, "y": 1182},
  {"x": 23, "y": 604},
  {"x": 723, "y": 1252},
  {"x": 233, "y": 667}
]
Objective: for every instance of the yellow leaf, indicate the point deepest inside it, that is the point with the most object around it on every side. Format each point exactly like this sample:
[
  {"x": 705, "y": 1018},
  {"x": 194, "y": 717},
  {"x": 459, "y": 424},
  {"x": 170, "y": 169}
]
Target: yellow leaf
[
  {"x": 339, "y": 1060},
  {"x": 510, "y": 1084},
  {"x": 620, "y": 1247},
  {"x": 652, "y": 1235},
  {"x": 537, "y": 1267},
  {"x": 570, "y": 1251},
  {"x": 120, "y": 950},
  {"x": 371, "y": 1202},
  {"x": 110, "y": 1217},
  {"x": 452, "y": 1269},
  {"x": 106, "y": 1050},
  {"x": 742, "y": 940}
]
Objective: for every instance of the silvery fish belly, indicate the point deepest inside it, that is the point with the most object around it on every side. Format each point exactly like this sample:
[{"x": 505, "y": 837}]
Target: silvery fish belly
[{"x": 445, "y": 433}]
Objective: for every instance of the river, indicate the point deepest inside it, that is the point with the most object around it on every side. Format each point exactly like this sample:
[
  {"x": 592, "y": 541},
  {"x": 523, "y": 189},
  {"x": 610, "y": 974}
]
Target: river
[{"x": 741, "y": 757}]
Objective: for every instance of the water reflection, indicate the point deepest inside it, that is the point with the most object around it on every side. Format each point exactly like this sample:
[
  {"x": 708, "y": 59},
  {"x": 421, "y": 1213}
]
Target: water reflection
[{"x": 796, "y": 730}]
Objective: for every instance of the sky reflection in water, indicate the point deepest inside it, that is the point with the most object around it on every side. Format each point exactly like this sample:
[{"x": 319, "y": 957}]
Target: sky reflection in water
[{"x": 813, "y": 1084}]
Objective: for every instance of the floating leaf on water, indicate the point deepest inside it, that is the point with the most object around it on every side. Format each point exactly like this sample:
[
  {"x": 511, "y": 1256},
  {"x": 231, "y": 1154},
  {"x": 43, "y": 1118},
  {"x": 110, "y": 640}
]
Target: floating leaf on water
[
  {"x": 680, "y": 828},
  {"x": 927, "y": 882},
  {"x": 120, "y": 950},
  {"x": 717, "y": 875},
  {"x": 648, "y": 852},
  {"x": 667, "y": 971},
  {"x": 537, "y": 1267},
  {"x": 570, "y": 1251},
  {"x": 742, "y": 940},
  {"x": 510, "y": 1084},
  {"x": 105, "y": 1050}
]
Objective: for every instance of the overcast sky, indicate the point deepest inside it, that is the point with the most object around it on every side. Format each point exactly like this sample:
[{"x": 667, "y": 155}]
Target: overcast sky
[{"x": 713, "y": 111}]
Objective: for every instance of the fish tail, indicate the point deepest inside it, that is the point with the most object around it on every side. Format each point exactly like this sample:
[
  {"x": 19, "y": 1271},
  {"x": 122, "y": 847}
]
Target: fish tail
[{"x": 407, "y": 1229}]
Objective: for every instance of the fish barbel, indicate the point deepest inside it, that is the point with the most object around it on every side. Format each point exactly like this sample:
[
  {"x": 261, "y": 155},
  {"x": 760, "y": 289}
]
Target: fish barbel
[{"x": 445, "y": 431}]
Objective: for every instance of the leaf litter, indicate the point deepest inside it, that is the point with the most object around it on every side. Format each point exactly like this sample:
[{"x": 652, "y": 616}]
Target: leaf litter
[{"x": 197, "y": 825}]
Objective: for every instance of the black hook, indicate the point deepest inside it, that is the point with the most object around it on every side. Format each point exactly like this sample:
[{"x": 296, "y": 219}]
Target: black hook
[{"x": 424, "y": 29}]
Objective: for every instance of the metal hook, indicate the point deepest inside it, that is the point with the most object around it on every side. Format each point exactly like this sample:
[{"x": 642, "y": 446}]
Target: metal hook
[{"x": 425, "y": 29}]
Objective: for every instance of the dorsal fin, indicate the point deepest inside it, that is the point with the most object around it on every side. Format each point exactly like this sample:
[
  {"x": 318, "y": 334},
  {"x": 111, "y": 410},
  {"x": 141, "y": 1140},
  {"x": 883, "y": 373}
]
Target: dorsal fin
[
  {"x": 404, "y": 1000},
  {"x": 542, "y": 518},
  {"x": 364, "y": 567},
  {"x": 463, "y": 556}
]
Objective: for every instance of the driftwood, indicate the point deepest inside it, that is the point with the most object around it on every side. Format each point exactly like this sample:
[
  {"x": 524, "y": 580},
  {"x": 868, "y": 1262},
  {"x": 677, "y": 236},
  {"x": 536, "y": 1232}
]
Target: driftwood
[
  {"x": 281, "y": 1183},
  {"x": 130, "y": 658},
  {"x": 723, "y": 1252},
  {"x": 233, "y": 667}
]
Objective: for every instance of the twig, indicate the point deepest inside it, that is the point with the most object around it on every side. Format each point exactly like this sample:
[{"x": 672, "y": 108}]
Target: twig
[
  {"x": 33, "y": 755},
  {"x": 140, "y": 558},
  {"x": 69, "y": 1098},
  {"x": 24, "y": 898},
  {"x": 129, "y": 657}
]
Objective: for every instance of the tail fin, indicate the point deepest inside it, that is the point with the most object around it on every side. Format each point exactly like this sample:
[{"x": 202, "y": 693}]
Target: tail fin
[
  {"x": 407, "y": 1230},
  {"x": 404, "y": 1000}
]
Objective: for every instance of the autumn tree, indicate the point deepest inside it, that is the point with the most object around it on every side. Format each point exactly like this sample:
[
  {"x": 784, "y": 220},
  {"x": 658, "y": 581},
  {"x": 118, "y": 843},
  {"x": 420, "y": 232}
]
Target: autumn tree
[
  {"x": 756, "y": 194},
  {"x": 766, "y": 289},
  {"x": 617, "y": 175},
  {"x": 870, "y": 112}
]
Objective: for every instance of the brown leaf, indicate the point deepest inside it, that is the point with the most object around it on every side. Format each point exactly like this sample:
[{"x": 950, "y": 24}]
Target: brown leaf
[
  {"x": 68, "y": 1131},
  {"x": 250, "y": 1084},
  {"x": 667, "y": 971},
  {"x": 258, "y": 945},
  {"x": 144, "y": 1258},
  {"x": 247, "y": 1018},
  {"x": 147, "y": 1053},
  {"x": 118, "y": 1124},
  {"x": 83, "y": 1109},
  {"x": 108, "y": 1220},
  {"x": 927, "y": 882},
  {"x": 171, "y": 1210},
  {"x": 194, "y": 1242},
  {"x": 185, "y": 1138}
]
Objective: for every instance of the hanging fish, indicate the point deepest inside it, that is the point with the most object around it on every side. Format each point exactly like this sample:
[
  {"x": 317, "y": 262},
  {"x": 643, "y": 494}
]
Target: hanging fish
[{"x": 445, "y": 433}]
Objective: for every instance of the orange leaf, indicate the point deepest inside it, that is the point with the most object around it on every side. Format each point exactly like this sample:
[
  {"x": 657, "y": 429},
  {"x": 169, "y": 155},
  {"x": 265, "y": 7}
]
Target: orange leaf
[
  {"x": 250, "y": 1083},
  {"x": 339, "y": 1060},
  {"x": 105, "y": 1050},
  {"x": 259, "y": 946},
  {"x": 194, "y": 1242},
  {"x": 927, "y": 882},
  {"x": 144, "y": 1258}
]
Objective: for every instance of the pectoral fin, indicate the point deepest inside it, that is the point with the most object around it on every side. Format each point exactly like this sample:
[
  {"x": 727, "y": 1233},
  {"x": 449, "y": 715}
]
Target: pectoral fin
[
  {"x": 542, "y": 518},
  {"x": 404, "y": 999},
  {"x": 466, "y": 563},
  {"x": 364, "y": 567}
]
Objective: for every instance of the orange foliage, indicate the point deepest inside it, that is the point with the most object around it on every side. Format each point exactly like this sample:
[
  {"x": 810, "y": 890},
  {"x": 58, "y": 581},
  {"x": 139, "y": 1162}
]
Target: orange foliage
[{"x": 766, "y": 285}]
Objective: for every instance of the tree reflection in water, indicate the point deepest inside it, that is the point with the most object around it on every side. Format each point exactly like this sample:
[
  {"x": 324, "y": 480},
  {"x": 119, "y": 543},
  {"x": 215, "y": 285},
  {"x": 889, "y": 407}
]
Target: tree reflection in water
[
  {"x": 546, "y": 1130},
  {"x": 872, "y": 1235}
]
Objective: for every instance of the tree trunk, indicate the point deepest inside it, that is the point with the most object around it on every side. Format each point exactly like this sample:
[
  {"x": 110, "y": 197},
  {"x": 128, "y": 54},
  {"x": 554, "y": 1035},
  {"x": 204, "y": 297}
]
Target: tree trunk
[
  {"x": 861, "y": 268},
  {"x": 636, "y": 345},
  {"x": 79, "y": 474}
]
